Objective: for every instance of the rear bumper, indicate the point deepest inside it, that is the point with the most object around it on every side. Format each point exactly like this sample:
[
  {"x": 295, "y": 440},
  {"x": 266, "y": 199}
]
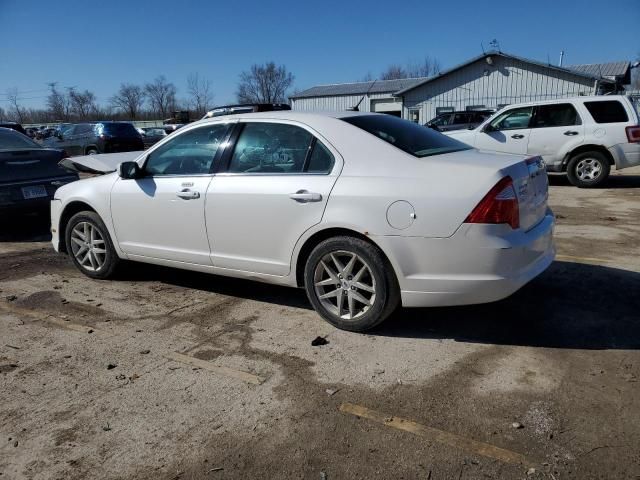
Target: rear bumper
[
  {"x": 626, "y": 155},
  {"x": 478, "y": 264},
  {"x": 12, "y": 196}
]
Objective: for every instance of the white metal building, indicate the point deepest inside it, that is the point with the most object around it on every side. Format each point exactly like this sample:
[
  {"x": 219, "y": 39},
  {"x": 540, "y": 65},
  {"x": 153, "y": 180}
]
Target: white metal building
[{"x": 491, "y": 80}]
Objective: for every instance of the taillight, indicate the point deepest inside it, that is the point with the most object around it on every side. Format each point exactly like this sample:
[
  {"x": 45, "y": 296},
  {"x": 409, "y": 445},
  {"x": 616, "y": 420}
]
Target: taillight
[
  {"x": 500, "y": 205},
  {"x": 633, "y": 133}
]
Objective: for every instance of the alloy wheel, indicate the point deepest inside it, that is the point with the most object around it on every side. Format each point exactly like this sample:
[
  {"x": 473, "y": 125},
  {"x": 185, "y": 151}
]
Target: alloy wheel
[
  {"x": 88, "y": 247},
  {"x": 344, "y": 284},
  {"x": 588, "y": 169}
]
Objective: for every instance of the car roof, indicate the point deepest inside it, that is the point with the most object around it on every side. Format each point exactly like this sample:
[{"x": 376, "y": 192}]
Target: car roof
[
  {"x": 292, "y": 115},
  {"x": 592, "y": 98}
]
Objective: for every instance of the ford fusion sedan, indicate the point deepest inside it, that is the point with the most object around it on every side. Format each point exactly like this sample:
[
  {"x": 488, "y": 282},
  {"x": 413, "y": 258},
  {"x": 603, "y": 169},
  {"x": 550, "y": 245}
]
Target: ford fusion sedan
[{"x": 367, "y": 212}]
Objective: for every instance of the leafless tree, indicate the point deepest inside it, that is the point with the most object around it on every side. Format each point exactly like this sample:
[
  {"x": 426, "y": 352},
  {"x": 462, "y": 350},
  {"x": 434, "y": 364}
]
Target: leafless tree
[
  {"x": 83, "y": 104},
  {"x": 2, "y": 114},
  {"x": 367, "y": 78},
  {"x": 58, "y": 103},
  {"x": 161, "y": 95},
  {"x": 425, "y": 68},
  {"x": 266, "y": 83},
  {"x": 14, "y": 104},
  {"x": 200, "y": 93},
  {"x": 393, "y": 72},
  {"x": 129, "y": 99}
]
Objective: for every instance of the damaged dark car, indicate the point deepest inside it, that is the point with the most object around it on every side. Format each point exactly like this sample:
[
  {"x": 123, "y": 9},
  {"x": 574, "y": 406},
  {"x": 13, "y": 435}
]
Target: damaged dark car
[{"x": 29, "y": 173}]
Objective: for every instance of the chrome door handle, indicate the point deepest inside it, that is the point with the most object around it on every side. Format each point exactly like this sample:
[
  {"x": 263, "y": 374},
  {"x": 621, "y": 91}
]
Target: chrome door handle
[
  {"x": 570, "y": 133},
  {"x": 304, "y": 196},
  {"x": 517, "y": 136},
  {"x": 188, "y": 194}
]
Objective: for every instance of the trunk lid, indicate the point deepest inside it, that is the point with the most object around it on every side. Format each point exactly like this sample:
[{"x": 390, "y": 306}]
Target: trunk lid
[{"x": 30, "y": 164}]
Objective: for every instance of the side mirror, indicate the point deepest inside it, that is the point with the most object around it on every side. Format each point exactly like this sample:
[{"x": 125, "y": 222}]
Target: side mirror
[
  {"x": 129, "y": 170},
  {"x": 488, "y": 128}
]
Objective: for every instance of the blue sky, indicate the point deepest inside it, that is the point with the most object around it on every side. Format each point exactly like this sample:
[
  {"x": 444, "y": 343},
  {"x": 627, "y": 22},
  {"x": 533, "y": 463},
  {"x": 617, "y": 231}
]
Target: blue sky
[{"x": 98, "y": 45}]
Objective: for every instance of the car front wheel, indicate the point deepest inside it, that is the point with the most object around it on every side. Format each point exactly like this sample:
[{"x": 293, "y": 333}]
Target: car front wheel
[
  {"x": 351, "y": 284},
  {"x": 89, "y": 245}
]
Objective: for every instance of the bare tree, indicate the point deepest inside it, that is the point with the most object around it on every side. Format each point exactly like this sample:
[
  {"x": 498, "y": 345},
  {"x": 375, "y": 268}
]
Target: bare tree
[
  {"x": 367, "y": 78},
  {"x": 425, "y": 68},
  {"x": 14, "y": 103},
  {"x": 393, "y": 72},
  {"x": 129, "y": 99},
  {"x": 2, "y": 114},
  {"x": 83, "y": 104},
  {"x": 200, "y": 92},
  {"x": 266, "y": 83},
  {"x": 58, "y": 103},
  {"x": 162, "y": 95}
]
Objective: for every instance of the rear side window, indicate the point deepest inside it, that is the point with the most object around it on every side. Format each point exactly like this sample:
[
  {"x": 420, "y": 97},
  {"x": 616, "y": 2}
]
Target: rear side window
[
  {"x": 120, "y": 129},
  {"x": 610, "y": 111},
  {"x": 405, "y": 135},
  {"x": 557, "y": 115},
  {"x": 279, "y": 148}
]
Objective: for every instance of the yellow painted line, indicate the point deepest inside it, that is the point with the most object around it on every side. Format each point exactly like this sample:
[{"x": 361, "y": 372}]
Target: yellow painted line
[
  {"x": 441, "y": 436},
  {"x": 228, "y": 372},
  {"x": 77, "y": 327},
  {"x": 582, "y": 259}
]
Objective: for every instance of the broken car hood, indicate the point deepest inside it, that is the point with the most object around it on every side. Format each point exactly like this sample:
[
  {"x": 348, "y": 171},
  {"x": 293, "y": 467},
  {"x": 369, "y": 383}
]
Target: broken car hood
[{"x": 98, "y": 164}]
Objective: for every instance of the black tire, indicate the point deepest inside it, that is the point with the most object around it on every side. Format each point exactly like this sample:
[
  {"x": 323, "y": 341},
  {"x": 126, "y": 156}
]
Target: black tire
[
  {"x": 110, "y": 259},
  {"x": 378, "y": 273},
  {"x": 92, "y": 151},
  {"x": 582, "y": 166}
]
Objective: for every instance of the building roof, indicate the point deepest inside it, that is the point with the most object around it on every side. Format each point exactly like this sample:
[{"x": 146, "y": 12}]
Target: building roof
[
  {"x": 359, "y": 88},
  {"x": 505, "y": 55},
  {"x": 611, "y": 69}
]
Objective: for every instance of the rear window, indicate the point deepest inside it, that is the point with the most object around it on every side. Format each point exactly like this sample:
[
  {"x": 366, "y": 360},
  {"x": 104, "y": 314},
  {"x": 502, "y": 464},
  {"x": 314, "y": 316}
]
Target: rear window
[
  {"x": 405, "y": 135},
  {"x": 12, "y": 140},
  {"x": 124, "y": 129},
  {"x": 610, "y": 111}
]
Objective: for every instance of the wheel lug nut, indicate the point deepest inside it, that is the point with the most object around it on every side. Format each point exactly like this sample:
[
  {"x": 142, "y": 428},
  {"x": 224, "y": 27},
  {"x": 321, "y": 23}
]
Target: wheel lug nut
[{"x": 353, "y": 287}]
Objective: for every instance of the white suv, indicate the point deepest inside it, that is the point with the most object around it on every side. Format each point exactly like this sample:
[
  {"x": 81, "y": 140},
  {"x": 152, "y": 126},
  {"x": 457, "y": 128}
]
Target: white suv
[{"x": 583, "y": 136}]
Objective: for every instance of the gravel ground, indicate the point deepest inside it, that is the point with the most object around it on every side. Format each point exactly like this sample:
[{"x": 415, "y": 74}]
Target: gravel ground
[{"x": 165, "y": 374}]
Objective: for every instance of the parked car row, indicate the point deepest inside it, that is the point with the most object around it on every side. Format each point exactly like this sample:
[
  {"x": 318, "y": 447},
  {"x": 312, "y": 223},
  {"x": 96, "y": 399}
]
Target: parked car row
[{"x": 98, "y": 137}]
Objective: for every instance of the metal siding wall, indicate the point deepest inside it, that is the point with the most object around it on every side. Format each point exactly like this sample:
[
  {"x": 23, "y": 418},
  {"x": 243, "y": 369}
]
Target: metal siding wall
[
  {"x": 337, "y": 103},
  {"x": 508, "y": 81}
]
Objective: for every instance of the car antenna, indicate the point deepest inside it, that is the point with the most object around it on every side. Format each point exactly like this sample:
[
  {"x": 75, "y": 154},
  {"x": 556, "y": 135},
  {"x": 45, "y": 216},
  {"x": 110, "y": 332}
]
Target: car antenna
[{"x": 356, "y": 109}]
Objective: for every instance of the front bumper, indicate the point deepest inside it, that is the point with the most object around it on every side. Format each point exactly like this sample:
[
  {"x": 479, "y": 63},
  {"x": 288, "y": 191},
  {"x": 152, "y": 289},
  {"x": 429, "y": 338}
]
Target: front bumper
[
  {"x": 478, "y": 264},
  {"x": 56, "y": 211}
]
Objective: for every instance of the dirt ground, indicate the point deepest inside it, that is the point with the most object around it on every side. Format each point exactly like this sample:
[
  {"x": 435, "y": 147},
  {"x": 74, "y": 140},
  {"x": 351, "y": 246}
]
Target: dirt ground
[{"x": 165, "y": 374}]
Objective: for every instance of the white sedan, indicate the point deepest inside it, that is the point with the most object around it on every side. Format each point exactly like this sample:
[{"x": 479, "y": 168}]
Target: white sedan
[{"x": 367, "y": 212}]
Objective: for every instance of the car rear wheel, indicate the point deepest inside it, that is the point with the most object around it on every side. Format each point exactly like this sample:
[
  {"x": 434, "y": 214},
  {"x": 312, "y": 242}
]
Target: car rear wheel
[
  {"x": 588, "y": 169},
  {"x": 89, "y": 245},
  {"x": 92, "y": 151},
  {"x": 351, "y": 284}
]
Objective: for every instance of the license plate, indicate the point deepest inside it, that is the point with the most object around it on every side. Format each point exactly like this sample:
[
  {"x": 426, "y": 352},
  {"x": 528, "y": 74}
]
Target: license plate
[{"x": 34, "y": 192}]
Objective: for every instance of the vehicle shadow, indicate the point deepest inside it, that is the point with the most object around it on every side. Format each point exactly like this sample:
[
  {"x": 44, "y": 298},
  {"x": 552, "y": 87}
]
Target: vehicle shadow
[
  {"x": 613, "y": 182},
  {"x": 570, "y": 306},
  {"x": 25, "y": 227}
]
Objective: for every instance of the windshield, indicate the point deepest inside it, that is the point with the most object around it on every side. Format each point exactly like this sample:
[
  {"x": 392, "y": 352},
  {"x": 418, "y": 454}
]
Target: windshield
[
  {"x": 12, "y": 140},
  {"x": 407, "y": 136}
]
